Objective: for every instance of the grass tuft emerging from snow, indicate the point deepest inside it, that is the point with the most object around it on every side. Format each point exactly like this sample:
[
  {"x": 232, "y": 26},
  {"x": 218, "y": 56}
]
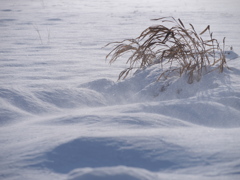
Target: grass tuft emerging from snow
[{"x": 176, "y": 49}]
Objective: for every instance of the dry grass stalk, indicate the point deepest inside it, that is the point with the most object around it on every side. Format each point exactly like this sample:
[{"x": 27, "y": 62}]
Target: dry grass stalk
[{"x": 176, "y": 49}]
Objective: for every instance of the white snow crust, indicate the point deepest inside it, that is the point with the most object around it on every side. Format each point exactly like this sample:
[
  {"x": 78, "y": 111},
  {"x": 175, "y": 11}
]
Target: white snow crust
[{"x": 64, "y": 116}]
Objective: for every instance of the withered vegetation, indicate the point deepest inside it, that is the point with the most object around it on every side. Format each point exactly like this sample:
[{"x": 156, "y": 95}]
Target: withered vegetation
[{"x": 176, "y": 49}]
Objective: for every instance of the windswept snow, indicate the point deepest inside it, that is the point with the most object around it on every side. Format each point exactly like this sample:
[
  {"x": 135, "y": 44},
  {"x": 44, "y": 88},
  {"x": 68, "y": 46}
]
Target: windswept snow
[{"x": 63, "y": 115}]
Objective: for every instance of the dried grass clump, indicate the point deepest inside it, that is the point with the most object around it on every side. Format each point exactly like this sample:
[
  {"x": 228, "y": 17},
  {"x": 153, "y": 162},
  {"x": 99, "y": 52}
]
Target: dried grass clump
[{"x": 176, "y": 49}]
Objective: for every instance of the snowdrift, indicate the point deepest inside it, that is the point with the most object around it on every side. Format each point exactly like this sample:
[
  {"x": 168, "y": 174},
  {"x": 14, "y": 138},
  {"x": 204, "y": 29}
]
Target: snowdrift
[
  {"x": 138, "y": 128},
  {"x": 214, "y": 97}
]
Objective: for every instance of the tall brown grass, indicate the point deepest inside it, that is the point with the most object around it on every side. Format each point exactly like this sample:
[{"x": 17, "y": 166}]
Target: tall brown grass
[{"x": 176, "y": 49}]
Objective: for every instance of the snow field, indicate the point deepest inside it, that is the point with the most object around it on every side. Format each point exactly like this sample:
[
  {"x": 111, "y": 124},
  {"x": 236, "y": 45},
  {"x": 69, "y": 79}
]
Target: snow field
[{"x": 63, "y": 115}]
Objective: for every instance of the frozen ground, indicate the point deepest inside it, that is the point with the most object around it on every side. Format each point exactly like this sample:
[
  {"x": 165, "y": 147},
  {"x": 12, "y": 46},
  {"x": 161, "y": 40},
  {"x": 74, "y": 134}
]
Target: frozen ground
[{"x": 64, "y": 116}]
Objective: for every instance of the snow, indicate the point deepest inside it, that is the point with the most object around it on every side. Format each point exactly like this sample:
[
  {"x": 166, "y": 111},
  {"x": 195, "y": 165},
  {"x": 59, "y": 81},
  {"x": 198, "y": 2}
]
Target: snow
[{"x": 64, "y": 115}]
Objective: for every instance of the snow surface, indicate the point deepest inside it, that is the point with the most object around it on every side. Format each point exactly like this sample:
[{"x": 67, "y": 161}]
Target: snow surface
[{"x": 63, "y": 115}]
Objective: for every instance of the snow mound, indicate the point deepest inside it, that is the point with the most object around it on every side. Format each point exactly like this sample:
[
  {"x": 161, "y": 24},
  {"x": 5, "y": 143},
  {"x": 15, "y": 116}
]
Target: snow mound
[
  {"x": 213, "y": 101},
  {"x": 71, "y": 97},
  {"x": 21, "y": 102},
  {"x": 143, "y": 85}
]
